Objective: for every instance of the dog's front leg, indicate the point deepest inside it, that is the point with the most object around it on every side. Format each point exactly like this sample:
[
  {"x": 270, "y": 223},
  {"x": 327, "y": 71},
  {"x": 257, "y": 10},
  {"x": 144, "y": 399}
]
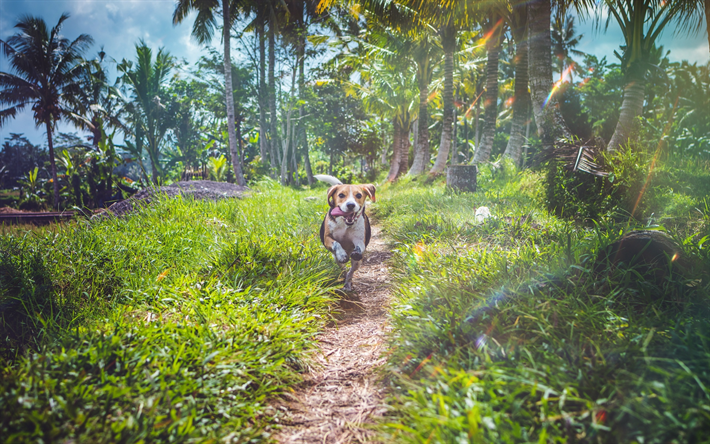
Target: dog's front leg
[
  {"x": 339, "y": 253},
  {"x": 358, "y": 251},
  {"x": 349, "y": 277},
  {"x": 341, "y": 256}
]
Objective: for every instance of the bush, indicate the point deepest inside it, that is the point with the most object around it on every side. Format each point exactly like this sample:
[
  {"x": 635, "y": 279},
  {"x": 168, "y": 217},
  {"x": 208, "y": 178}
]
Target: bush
[{"x": 626, "y": 191}]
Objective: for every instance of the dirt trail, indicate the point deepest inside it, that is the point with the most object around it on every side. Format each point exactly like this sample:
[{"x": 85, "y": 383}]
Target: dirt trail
[{"x": 342, "y": 394}]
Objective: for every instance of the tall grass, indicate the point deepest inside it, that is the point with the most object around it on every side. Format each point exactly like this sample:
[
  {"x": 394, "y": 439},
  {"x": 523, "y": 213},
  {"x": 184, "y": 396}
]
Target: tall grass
[
  {"x": 173, "y": 324},
  {"x": 517, "y": 330}
]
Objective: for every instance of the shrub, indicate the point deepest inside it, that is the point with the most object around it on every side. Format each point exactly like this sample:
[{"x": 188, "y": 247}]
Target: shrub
[{"x": 626, "y": 191}]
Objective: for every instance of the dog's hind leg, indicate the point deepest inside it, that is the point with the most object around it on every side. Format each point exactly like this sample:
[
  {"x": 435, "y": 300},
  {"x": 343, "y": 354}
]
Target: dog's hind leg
[{"x": 349, "y": 277}]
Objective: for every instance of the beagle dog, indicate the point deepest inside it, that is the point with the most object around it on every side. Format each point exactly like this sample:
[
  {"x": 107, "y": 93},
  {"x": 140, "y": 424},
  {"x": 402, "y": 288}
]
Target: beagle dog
[{"x": 345, "y": 231}]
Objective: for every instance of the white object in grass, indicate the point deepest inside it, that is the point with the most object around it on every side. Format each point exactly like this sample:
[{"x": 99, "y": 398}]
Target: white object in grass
[{"x": 482, "y": 213}]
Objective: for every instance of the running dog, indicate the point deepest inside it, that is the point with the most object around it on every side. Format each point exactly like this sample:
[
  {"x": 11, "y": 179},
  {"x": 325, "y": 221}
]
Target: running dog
[{"x": 345, "y": 230}]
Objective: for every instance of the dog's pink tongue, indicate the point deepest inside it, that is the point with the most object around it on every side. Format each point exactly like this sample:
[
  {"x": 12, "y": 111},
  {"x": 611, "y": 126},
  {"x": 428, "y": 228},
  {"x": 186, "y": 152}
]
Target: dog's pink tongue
[{"x": 336, "y": 212}]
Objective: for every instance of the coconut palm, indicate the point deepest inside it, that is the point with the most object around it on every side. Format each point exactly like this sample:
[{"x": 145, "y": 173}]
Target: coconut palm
[
  {"x": 564, "y": 40},
  {"x": 389, "y": 91},
  {"x": 202, "y": 30},
  {"x": 641, "y": 22},
  {"x": 150, "y": 120},
  {"x": 424, "y": 53},
  {"x": 550, "y": 123},
  {"x": 521, "y": 98},
  {"x": 259, "y": 12},
  {"x": 448, "y": 18},
  {"x": 493, "y": 32},
  {"x": 98, "y": 100},
  {"x": 401, "y": 36},
  {"x": 48, "y": 69}
]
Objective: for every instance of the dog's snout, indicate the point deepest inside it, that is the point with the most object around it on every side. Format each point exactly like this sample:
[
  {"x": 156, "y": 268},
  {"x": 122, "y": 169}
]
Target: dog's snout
[{"x": 350, "y": 205}]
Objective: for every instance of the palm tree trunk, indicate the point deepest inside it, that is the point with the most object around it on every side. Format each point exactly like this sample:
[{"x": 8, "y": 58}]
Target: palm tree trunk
[
  {"x": 153, "y": 155},
  {"x": 396, "y": 143},
  {"x": 477, "y": 123},
  {"x": 631, "y": 108},
  {"x": 454, "y": 139},
  {"x": 707, "y": 20},
  {"x": 448, "y": 42},
  {"x": 550, "y": 123},
  {"x": 229, "y": 94},
  {"x": 263, "y": 139},
  {"x": 421, "y": 148},
  {"x": 284, "y": 151},
  {"x": 288, "y": 131},
  {"x": 465, "y": 127},
  {"x": 415, "y": 137},
  {"x": 404, "y": 149},
  {"x": 238, "y": 130},
  {"x": 301, "y": 89},
  {"x": 490, "y": 106},
  {"x": 273, "y": 132},
  {"x": 53, "y": 165},
  {"x": 522, "y": 99},
  {"x": 294, "y": 158},
  {"x": 306, "y": 156}
]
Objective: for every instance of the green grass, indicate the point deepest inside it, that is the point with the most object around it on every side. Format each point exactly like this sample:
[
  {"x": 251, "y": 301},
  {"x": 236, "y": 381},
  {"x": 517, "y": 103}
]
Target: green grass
[
  {"x": 9, "y": 197},
  {"x": 512, "y": 331},
  {"x": 176, "y": 324}
]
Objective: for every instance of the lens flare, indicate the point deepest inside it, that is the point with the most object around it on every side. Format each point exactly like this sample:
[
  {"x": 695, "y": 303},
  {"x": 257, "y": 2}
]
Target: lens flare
[
  {"x": 558, "y": 84},
  {"x": 655, "y": 157},
  {"x": 490, "y": 33},
  {"x": 468, "y": 111}
]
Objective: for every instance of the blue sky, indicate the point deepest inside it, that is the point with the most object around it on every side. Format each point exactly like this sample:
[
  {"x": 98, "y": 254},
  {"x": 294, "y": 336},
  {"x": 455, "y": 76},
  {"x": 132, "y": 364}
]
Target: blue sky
[{"x": 118, "y": 24}]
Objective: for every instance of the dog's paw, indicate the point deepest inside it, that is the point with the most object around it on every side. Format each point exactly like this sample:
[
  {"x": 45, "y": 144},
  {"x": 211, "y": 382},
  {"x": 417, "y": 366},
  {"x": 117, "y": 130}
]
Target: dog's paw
[
  {"x": 357, "y": 254},
  {"x": 340, "y": 255}
]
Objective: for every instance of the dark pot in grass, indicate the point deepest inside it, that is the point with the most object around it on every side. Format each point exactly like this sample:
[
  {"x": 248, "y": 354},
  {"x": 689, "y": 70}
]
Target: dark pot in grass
[
  {"x": 652, "y": 253},
  {"x": 462, "y": 178}
]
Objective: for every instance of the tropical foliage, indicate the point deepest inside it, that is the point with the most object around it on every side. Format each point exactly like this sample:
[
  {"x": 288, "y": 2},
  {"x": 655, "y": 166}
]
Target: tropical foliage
[{"x": 186, "y": 320}]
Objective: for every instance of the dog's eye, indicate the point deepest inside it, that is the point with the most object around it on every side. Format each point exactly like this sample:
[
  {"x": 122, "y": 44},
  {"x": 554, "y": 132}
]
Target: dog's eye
[
  {"x": 341, "y": 195},
  {"x": 358, "y": 195}
]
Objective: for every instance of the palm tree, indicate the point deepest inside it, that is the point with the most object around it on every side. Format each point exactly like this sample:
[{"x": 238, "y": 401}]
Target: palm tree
[
  {"x": 202, "y": 30},
  {"x": 564, "y": 40},
  {"x": 99, "y": 106},
  {"x": 146, "y": 83},
  {"x": 550, "y": 123},
  {"x": 448, "y": 18},
  {"x": 48, "y": 68},
  {"x": 521, "y": 98},
  {"x": 400, "y": 36},
  {"x": 260, "y": 11},
  {"x": 388, "y": 91},
  {"x": 424, "y": 52},
  {"x": 641, "y": 22},
  {"x": 492, "y": 27}
]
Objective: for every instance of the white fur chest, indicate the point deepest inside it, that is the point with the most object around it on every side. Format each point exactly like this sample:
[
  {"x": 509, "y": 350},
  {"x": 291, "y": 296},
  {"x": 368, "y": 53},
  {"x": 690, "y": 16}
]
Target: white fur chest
[{"x": 340, "y": 230}]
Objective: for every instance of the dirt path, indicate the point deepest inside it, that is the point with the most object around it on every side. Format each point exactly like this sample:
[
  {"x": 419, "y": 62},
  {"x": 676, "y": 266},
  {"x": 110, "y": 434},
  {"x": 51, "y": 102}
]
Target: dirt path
[{"x": 342, "y": 394}]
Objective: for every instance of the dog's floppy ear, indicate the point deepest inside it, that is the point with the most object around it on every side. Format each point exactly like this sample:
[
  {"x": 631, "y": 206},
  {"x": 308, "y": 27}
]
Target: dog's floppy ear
[
  {"x": 331, "y": 193},
  {"x": 370, "y": 191}
]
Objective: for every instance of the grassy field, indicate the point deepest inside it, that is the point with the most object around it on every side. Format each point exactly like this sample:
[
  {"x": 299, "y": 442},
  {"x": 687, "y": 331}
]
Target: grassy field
[
  {"x": 175, "y": 324},
  {"x": 512, "y": 331},
  {"x": 179, "y": 323}
]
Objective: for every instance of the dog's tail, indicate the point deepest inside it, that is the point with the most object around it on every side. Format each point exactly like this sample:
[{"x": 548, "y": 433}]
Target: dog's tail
[{"x": 328, "y": 179}]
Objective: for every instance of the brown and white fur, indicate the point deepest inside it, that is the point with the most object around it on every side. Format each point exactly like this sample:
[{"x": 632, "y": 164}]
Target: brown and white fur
[{"x": 346, "y": 235}]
